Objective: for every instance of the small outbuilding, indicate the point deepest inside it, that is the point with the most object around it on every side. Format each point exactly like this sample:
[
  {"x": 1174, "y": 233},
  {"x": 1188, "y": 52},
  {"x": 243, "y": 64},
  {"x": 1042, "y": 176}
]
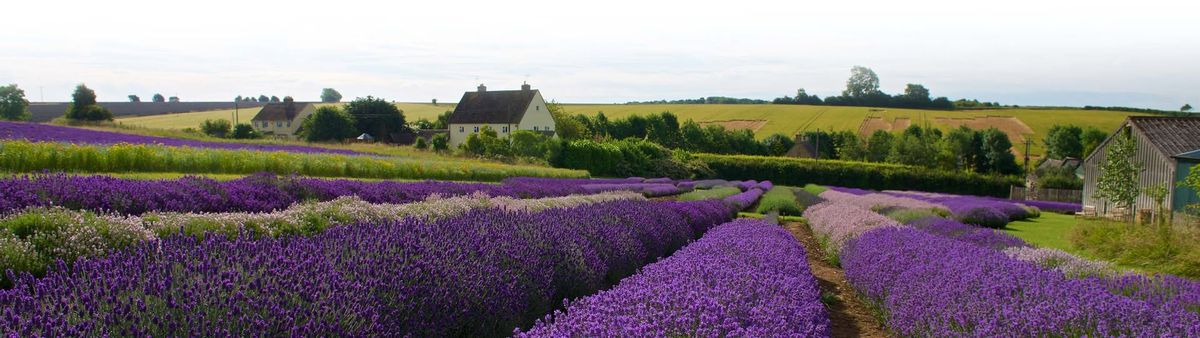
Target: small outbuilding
[{"x": 1167, "y": 149}]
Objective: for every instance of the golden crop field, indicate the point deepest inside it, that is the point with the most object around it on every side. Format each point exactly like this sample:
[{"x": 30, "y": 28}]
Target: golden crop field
[
  {"x": 791, "y": 119},
  {"x": 412, "y": 112}
]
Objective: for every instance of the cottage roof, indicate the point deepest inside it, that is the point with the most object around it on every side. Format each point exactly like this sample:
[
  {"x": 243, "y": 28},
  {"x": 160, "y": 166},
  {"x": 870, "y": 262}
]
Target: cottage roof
[
  {"x": 1171, "y": 135},
  {"x": 500, "y": 106},
  {"x": 280, "y": 111}
]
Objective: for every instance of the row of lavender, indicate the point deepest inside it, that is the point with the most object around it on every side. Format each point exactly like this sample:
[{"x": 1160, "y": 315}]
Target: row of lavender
[
  {"x": 940, "y": 277},
  {"x": 745, "y": 278},
  {"x": 483, "y": 273},
  {"x": 268, "y": 192},
  {"x": 34, "y": 132},
  {"x": 982, "y": 211}
]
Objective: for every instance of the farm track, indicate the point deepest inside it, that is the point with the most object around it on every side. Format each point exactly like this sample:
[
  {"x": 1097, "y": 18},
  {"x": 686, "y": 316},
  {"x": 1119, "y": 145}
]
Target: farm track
[{"x": 848, "y": 317}]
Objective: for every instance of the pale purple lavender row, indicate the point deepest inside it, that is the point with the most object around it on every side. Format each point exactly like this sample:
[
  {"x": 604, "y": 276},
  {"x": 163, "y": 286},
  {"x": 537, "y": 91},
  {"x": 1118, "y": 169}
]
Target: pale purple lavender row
[
  {"x": 1051, "y": 206},
  {"x": 746, "y": 278},
  {"x": 255, "y": 193},
  {"x": 875, "y": 201},
  {"x": 935, "y": 286},
  {"x": 34, "y": 132},
  {"x": 481, "y": 274},
  {"x": 835, "y": 223}
]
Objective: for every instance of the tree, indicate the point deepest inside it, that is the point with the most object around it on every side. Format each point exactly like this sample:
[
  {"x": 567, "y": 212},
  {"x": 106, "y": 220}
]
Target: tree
[
  {"x": 274, "y": 99},
  {"x": 862, "y": 83},
  {"x": 1118, "y": 181},
  {"x": 244, "y": 131},
  {"x": 239, "y": 98},
  {"x": 83, "y": 106},
  {"x": 1193, "y": 181},
  {"x": 329, "y": 95},
  {"x": 158, "y": 98},
  {"x": 778, "y": 144},
  {"x": 13, "y": 105},
  {"x": 1064, "y": 141},
  {"x": 134, "y": 98},
  {"x": 879, "y": 145},
  {"x": 441, "y": 142},
  {"x": 1186, "y": 108},
  {"x": 565, "y": 126},
  {"x": 329, "y": 124},
  {"x": 1091, "y": 139},
  {"x": 264, "y": 98},
  {"x": 377, "y": 117},
  {"x": 434, "y": 102},
  {"x": 997, "y": 153},
  {"x": 173, "y": 99},
  {"x": 961, "y": 149},
  {"x": 216, "y": 128},
  {"x": 1157, "y": 193},
  {"x": 83, "y": 96}
]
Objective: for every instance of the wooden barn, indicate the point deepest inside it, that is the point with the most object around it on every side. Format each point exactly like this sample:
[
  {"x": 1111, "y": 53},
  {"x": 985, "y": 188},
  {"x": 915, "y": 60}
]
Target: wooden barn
[{"x": 1167, "y": 149}]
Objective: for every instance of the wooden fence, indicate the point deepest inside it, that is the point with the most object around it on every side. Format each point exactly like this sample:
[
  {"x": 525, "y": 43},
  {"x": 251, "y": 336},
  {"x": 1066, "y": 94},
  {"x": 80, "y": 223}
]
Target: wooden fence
[{"x": 1056, "y": 195}]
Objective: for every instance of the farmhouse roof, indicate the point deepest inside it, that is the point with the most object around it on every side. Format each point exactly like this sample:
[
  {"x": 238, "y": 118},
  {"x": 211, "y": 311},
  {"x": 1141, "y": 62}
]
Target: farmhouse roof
[
  {"x": 280, "y": 111},
  {"x": 1171, "y": 135},
  {"x": 500, "y": 106}
]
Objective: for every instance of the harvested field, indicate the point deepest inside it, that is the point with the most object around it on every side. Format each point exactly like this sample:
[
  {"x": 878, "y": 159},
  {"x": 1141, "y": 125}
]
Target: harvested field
[
  {"x": 874, "y": 123},
  {"x": 752, "y": 125}
]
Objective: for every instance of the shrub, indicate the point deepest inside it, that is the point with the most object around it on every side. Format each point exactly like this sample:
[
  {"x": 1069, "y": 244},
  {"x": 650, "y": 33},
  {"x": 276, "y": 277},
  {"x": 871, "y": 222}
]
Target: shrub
[
  {"x": 216, "y": 128},
  {"x": 987, "y": 217},
  {"x": 329, "y": 124},
  {"x": 441, "y": 142},
  {"x": 93, "y": 112},
  {"x": 781, "y": 199},
  {"x": 421, "y": 144},
  {"x": 799, "y": 172},
  {"x": 624, "y": 158},
  {"x": 243, "y": 131}
]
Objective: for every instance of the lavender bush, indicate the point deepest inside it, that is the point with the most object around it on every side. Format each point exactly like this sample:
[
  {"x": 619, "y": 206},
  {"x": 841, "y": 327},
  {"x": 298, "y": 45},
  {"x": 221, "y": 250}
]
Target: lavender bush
[
  {"x": 929, "y": 285},
  {"x": 1056, "y": 207},
  {"x": 988, "y": 238},
  {"x": 982, "y": 211},
  {"x": 743, "y": 200},
  {"x": 255, "y": 193},
  {"x": 34, "y": 132},
  {"x": 480, "y": 274},
  {"x": 872, "y": 200},
  {"x": 835, "y": 223},
  {"x": 1070, "y": 265},
  {"x": 745, "y": 278}
]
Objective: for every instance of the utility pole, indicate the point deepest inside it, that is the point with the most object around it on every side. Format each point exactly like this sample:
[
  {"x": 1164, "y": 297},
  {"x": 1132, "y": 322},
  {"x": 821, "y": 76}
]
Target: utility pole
[
  {"x": 1027, "y": 142},
  {"x": 818, "y": 143}
]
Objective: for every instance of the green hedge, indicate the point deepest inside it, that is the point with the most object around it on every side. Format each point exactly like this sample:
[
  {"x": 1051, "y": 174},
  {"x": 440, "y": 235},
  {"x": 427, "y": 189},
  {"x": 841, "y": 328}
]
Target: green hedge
[
  {"x": 624, "y": 158},
  {"x": 21, "y": 156},
  {"x": 864, "y": 175}
]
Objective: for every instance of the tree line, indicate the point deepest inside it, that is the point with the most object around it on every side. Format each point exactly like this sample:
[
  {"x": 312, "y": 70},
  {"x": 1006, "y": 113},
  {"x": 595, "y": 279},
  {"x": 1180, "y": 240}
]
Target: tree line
[
  {"x": 705, "y": 100},
  {"x": 862, "y": 89}
]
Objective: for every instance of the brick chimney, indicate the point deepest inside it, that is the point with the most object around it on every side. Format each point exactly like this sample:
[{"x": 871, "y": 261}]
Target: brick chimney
[
  {"x": 482, "y": 88},
  {"x": 525, "y": 87}
]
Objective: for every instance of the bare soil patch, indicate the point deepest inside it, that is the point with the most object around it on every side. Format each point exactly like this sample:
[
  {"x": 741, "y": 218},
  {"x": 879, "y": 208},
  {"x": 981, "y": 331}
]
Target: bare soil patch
[
  {"x": 871, "y": 124},
  {"x": 752, "y": 125},
  {"x": 848, "y": 316}
]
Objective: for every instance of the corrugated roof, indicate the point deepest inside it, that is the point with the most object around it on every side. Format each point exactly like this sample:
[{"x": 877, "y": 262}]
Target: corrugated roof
[
  {"x": 500, "y": 106},
  {"x": 280, "y": 111},
  {"x": 1171, "y": 135},
  {"x": 1191, "y": 155}
]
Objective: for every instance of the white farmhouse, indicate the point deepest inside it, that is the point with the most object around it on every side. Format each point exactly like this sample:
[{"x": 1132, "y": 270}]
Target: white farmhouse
[
  {"x": 505, "y": 111},
  {"x": 282, "y": 120}
]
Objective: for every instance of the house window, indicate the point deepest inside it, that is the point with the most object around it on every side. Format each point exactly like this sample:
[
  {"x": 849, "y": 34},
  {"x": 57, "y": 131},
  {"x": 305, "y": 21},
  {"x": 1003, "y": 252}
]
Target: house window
[
  {"x": 538, "y": 107},
  {"x": 289, "y": 124},
  {"x": 505, "y": 129},
  {"x": 548, "y": 129},
  {"x": 534, "y": 128},
  {"x": 278, "y": 124},
  {"x": 462, "y": 129},
  {"x": 476, "y": 129}
]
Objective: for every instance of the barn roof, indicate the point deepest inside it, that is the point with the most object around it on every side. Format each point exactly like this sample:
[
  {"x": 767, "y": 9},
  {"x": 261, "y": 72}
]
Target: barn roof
[
  {"x": 280, "y": 111},
  {"x": 1191, "y": 155},
  {"x": 1171, "y": 135},
  {"x": 500, "y": 106}
]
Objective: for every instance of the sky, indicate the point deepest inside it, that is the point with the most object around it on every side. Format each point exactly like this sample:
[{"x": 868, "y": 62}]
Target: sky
[{"x": 1142, "y": 53}]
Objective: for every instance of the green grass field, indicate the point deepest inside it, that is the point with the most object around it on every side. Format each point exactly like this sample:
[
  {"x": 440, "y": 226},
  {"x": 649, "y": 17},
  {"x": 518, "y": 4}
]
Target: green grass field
[
  {"x": 412, "y": 112},
  {"x": 1051, "y": 230},
  {"x": 791, "y": 119}
]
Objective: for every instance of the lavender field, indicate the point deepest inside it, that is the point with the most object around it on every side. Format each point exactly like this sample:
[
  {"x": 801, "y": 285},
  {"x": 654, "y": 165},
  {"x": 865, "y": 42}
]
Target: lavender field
[{"x": 34, "y": 132}]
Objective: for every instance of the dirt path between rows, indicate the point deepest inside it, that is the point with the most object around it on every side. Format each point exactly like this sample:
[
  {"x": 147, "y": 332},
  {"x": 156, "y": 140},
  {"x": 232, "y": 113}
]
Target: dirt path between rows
[{"x": 848, "y": 316}]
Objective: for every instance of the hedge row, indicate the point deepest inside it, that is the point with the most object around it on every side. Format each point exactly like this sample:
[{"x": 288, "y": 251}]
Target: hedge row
[{"x": 877, "y": 176}]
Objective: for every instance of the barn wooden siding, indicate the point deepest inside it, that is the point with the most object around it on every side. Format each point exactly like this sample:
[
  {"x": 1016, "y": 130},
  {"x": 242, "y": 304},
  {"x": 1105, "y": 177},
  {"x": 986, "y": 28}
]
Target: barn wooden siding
[{"x": 1157, "y": 169}]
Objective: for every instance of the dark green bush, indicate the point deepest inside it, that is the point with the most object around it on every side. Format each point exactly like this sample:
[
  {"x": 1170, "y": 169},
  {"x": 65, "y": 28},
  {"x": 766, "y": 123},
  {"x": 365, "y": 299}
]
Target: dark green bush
[{"x": 877, "y": 176}]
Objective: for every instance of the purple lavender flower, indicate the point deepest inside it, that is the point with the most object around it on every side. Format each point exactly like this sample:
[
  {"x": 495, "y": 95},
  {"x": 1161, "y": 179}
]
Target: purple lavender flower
[
  {"x": 743, "y": 278},
  {"x": 34, "y": 132}
]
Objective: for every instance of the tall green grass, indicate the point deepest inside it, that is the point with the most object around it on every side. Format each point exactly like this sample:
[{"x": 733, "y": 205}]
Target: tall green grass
[
  {"x": 781, "y": 199},
  {"x": 22, "y": 156},
  {"x": 714, "y": 193}
]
